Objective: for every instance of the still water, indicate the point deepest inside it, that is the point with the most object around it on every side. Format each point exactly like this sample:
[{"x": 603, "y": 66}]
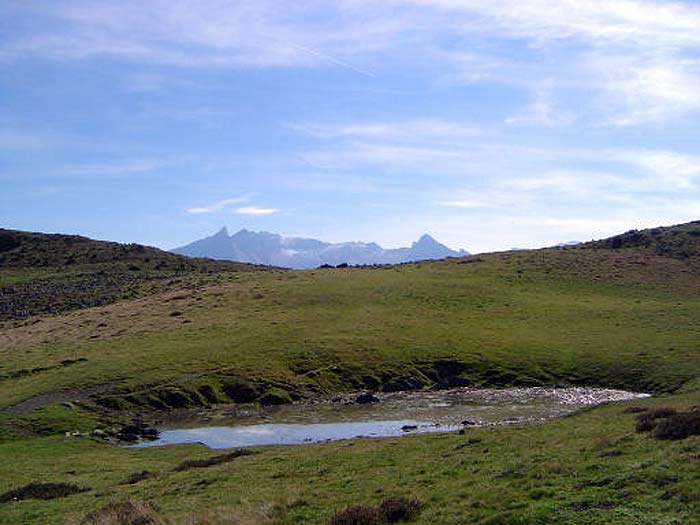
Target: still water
[{"x": 396, "y": 414}]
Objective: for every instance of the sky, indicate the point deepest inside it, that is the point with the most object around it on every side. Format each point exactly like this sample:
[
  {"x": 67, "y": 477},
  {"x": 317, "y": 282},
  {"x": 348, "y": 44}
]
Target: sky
[{"x": 489, "y": 124}]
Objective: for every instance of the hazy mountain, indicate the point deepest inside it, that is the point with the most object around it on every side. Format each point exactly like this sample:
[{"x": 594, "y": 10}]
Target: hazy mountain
[{"x": 293, "y": 252}]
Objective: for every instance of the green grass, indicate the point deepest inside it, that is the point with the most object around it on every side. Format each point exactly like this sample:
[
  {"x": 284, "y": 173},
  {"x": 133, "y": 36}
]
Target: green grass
[
  {"x": 625, "y": 315},
  {"x": 588, "y": 469},
  {"x": 326, "y": 330}
]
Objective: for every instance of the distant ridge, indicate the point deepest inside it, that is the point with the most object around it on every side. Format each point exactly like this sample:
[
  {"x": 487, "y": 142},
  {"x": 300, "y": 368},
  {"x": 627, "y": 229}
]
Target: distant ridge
[{"x": 293, "y": 252}]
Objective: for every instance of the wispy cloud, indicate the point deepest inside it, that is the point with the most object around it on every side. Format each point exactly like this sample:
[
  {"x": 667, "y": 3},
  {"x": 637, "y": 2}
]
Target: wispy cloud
[
  {"x": 631, "y": 61},
  {"x": 254, "y": 210},
  {"x": 218, "y": 205},
  {"x": 542, "y": 112}
]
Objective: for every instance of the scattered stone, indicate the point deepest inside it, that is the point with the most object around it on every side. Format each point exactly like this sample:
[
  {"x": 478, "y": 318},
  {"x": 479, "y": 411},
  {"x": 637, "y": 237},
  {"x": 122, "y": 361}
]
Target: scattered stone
[
  {"x": 365, "y": 398},
  {"x": 402, "y": 384},
  {"x": 137, "y": 431}
]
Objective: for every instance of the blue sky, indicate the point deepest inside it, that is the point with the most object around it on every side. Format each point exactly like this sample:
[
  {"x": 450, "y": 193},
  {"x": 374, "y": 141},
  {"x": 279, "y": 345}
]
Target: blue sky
[{"x": 488, "y": 124}]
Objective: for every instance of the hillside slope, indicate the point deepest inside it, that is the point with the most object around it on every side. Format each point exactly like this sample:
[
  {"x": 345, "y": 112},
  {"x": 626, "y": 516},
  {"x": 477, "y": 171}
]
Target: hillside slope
[
  {"x": 625, "y": 316},
  {"x": 51, "y": 273},
  {"x": 583, "y": 315}
]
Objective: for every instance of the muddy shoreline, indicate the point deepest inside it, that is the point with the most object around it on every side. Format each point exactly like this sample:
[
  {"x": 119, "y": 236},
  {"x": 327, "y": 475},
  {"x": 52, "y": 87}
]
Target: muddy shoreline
[{"x": 393, "y": 414}]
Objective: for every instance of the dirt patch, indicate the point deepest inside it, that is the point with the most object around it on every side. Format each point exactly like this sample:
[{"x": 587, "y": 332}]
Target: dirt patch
[
  {"x": 216, "y": 460},
  {"x": 41, "y": 491}
]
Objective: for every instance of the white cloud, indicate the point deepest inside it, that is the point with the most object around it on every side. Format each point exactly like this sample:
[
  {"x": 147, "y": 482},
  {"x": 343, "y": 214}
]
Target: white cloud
[
  {"x": 646, "y": 88},
  {"x": 254, "y": 210},
  {"x": 666, "y": 170},
  {"x": 218, "y": 33},
  {"x": 640, "y": 22},
  {"x": 217, "y": 206}
]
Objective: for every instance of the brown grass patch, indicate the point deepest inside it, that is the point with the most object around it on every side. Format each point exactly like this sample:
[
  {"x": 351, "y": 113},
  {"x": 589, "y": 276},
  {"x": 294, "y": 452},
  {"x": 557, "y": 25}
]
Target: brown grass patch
[{"x": 126, "y": 513}]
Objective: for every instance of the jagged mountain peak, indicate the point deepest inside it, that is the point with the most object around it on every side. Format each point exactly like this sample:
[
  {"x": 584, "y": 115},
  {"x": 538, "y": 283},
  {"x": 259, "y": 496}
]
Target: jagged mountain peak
[
  {"x": 426, "y": 240},
  {"x": 223, "y": 232},
  {"x": 297, "y": 252}
]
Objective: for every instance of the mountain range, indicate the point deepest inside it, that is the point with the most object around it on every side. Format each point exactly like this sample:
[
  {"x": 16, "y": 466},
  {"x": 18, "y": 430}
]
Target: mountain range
[{"x": 294, "y": 252}]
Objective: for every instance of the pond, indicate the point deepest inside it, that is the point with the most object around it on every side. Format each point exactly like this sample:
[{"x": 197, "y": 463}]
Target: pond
[{"x": 395, "y": 414}]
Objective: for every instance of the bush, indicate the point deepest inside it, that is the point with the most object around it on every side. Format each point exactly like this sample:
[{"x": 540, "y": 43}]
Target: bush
[
  {"x": 399, "y": 509},
  {"x": 391, "y": 510},
  {"x": 357, "y": 515},
  {"x": 678, "y": 426},
  {"x": 646, "y": 421}
]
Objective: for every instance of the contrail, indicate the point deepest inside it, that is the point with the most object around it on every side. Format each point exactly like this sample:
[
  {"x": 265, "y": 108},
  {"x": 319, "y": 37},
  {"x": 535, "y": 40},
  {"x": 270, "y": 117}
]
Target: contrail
[{"x": 336, "y": 61}]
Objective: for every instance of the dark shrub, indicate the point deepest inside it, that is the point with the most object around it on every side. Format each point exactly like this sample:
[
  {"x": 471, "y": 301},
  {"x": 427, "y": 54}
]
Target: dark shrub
[
  {"x": 357, "y": 515},
  {"x": 658, "y": 413},
  {"x": 399, "y": 509},
  {"x": 391, "y": 510},
  {"x": 41, "y": 491},
  {"x": 678, "y": 426},
  {"x": 646, "y": 421}
]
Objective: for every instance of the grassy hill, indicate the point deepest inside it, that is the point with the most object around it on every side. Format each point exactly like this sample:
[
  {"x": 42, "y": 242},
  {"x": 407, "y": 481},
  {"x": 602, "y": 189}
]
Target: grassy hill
[
  {"x": 48, "y": 274},
  {"x": 622, "y": 313}
]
